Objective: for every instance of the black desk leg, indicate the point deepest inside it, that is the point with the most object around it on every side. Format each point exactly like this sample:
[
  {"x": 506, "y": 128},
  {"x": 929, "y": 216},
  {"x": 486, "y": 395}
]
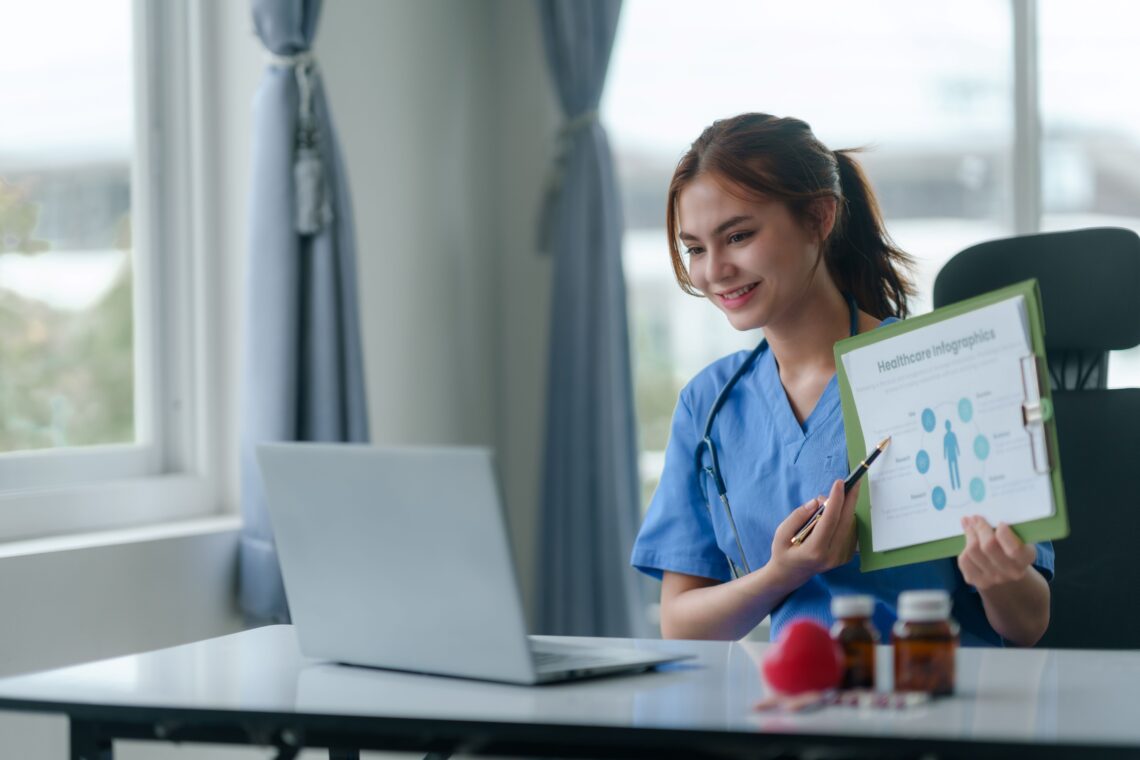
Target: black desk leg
[
  {"x": 86, "y": 742},
  {"x": 343, "y": 754}
]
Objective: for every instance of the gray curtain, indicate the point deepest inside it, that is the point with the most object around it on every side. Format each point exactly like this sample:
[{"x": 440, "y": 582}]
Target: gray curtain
[
  {"x": 590, "y": 483},
  {"x": 303, "y": 377}
]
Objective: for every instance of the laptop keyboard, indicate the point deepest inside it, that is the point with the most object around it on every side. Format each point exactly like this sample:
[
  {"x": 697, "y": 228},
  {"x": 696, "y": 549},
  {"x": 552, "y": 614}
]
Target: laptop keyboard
[{"x": 559, "y": 660}]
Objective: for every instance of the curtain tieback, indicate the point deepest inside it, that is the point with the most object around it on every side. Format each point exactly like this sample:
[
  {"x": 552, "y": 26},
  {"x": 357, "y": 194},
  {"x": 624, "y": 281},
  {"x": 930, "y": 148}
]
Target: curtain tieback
[
  {"x": 554, "y": 176},
  {"x": 577, "y": 124},
  {"x": 312, "y": 209}
]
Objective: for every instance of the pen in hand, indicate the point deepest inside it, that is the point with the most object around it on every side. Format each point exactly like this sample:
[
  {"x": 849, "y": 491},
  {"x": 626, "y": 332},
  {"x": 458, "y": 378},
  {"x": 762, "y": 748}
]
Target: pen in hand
[{"x": 848, "y": 484}]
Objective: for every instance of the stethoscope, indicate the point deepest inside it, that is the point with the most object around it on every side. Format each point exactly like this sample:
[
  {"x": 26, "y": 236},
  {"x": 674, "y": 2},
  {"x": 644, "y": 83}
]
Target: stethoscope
[{"x": 713, "y": 468}]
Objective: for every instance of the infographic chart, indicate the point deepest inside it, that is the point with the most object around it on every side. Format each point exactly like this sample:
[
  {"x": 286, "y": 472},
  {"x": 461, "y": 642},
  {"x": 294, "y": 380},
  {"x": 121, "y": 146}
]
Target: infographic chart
[{"x": 950, "y": 396}]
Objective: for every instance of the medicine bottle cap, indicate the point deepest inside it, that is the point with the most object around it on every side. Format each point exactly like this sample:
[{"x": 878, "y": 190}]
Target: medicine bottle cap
[
  {"x": 924, "y": 606},
  {"x": 854, "y": 605}
]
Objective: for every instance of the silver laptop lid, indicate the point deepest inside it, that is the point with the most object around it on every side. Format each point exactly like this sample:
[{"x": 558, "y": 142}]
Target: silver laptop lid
[{"x": 397, "y": 558}]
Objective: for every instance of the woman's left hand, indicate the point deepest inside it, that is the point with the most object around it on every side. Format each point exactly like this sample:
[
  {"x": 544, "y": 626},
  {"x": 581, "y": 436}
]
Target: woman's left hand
[{"x": 993, "y": 557}]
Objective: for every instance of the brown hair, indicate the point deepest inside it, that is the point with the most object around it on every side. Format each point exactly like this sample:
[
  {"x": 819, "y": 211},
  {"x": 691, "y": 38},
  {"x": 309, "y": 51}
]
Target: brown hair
[{"x": 780, "y": 159}]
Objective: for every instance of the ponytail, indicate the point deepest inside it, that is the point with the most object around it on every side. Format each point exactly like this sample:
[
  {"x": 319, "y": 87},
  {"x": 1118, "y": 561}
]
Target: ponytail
[
  {"x": 780, "y": 159},
  {"x": 862, "y": 258}
]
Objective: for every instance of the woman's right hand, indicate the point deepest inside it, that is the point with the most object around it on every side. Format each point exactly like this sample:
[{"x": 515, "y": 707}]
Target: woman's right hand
[{"x": 830, "y": 544}]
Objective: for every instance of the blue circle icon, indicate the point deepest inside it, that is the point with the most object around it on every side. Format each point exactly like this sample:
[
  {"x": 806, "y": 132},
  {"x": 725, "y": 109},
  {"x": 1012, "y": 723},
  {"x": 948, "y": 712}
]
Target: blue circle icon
[
  {"x": 928, "y": 420},
  {"x": 977, "y": 489},
  {"x": 965, "y": 410},
  {"x": 981, "y": 447},
  {"x": 938, "y": 496},
  {"x": 922, "y": 461}
]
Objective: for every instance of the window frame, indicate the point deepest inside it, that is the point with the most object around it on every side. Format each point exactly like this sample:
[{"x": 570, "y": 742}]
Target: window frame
[
  {"x": 171, "y": 472},
  {"x": 1027, "y": 157}
]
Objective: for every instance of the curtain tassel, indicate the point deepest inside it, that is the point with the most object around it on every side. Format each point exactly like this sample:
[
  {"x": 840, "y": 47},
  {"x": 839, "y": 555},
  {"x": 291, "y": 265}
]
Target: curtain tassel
[
  {"x": 555, "y": 174},
  {"x": 312, "y": 208}
]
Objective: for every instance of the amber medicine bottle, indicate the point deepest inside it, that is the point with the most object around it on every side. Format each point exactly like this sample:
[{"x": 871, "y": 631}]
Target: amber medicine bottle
[
  {"x": 857, "y": 637},
  {"x": 925, "y": 641}
]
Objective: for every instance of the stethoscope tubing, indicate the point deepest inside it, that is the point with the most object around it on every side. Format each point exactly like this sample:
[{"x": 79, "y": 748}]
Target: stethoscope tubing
[{"x": 706, "y": 442}]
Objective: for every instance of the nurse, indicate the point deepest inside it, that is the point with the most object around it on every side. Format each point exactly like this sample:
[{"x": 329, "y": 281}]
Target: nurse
[{"x": 779, "y": 232}]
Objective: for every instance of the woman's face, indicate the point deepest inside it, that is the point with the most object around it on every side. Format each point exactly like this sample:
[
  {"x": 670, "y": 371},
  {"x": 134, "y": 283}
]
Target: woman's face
[{"x": 750, "y": 258}]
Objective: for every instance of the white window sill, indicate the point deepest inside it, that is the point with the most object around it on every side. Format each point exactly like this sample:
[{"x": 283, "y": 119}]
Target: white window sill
[
  {"x": 221, "y": 523},
  {"x": 109, "y": 506}
]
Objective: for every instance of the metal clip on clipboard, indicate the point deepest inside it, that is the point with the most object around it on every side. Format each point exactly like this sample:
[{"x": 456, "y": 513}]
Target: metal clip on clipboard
[{"x": 1035, "y": 412}]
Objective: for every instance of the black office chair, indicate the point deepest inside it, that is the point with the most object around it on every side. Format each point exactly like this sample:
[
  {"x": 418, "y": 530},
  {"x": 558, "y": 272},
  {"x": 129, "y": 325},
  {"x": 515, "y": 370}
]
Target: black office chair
[{"x": 1090, "y": 290}]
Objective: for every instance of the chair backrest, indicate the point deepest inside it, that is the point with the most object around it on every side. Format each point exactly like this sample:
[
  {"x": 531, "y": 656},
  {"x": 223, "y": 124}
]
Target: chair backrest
[{"x": 1090, "y": 291}]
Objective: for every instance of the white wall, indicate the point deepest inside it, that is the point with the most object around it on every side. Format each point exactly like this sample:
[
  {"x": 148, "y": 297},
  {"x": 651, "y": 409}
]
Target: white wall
[
  {"x": 407, "y": 84},
  {"x": 446, "y": 121},
  {"x": 527, "y": 118}
]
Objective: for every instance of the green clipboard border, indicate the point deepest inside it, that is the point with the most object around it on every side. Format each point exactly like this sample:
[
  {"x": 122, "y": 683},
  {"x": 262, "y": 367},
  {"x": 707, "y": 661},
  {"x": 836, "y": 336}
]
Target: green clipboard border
[{"x": 1046, "y": 528}]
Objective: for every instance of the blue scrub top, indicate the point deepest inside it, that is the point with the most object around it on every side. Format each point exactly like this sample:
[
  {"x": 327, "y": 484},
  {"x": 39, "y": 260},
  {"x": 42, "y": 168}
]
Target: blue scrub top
[{"x": 771, "y": 465}]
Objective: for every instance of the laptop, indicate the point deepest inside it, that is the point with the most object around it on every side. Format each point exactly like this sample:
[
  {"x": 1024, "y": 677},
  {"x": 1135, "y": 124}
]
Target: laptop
[{"x": 398, "y": 558}]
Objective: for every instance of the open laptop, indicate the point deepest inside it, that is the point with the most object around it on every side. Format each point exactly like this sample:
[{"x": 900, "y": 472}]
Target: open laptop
[{"x": 398, "y": 558}]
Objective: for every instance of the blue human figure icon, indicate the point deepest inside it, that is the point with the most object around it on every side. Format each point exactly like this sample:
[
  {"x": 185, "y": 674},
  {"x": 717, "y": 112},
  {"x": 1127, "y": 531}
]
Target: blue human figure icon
[{"x": 950, "y": 452}]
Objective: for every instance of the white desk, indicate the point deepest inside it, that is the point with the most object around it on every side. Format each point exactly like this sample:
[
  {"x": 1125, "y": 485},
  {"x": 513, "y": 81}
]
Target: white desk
[{"x": 255, "y": 687}]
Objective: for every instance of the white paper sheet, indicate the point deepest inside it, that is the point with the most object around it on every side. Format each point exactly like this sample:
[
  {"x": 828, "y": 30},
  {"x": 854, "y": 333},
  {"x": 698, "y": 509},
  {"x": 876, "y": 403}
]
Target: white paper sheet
[{"x": 950, "y": 396}]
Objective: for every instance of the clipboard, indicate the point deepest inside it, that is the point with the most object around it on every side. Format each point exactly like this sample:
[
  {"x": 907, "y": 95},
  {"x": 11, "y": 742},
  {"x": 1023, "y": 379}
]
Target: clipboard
[{"x": 1037, "y": 418}]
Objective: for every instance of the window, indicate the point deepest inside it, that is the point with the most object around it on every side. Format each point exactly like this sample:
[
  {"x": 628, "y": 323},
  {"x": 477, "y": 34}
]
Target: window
[
  {"x": 66, "y": 295},
  {"x": 932, "y": 92},
  {"x": 1090, "y": 124},
  {"x": 99, "y": 421}
]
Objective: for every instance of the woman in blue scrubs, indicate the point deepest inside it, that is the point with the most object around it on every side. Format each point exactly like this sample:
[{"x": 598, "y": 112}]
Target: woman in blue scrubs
[{"x": 781, "y": 233}]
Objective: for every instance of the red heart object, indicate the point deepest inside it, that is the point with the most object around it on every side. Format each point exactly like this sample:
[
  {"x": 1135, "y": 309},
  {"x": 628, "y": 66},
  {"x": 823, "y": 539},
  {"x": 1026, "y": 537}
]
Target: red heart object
[{"x": 804, "y": 658}]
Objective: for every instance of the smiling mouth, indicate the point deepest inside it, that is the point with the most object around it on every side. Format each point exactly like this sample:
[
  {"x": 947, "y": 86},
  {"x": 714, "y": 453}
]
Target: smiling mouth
[
  {"x": 734, "y": 294},
  {"x": 738, "y": 297}
]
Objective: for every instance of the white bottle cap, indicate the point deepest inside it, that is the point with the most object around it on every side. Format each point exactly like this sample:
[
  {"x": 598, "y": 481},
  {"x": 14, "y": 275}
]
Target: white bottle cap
[
  {"x": 924, "y": 606},
  {"x": 854, "y": 605}
]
